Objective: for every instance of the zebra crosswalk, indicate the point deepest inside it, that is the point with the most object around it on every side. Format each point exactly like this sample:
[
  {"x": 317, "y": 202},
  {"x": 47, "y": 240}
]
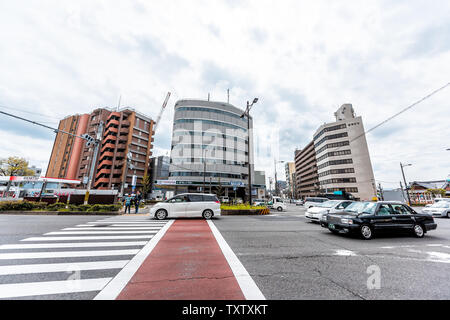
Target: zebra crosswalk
[{"x": 76, "y": 262}]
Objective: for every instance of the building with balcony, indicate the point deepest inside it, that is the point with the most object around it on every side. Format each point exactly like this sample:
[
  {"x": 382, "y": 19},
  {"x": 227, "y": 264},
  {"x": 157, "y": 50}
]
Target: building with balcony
[
  {"x": 306, "y": 176},
  {"x": 210, "y": 148},
  {"x": 124, "y": 132}
]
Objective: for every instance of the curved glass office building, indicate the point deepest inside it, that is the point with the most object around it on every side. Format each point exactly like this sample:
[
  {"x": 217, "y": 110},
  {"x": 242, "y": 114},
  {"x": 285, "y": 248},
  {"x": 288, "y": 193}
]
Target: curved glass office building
[{"x": 211, "y": 133}]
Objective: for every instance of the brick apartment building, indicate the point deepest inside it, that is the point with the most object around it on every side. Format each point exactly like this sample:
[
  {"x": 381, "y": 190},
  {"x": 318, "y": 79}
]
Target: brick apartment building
[{"x": 123, "y": 131}]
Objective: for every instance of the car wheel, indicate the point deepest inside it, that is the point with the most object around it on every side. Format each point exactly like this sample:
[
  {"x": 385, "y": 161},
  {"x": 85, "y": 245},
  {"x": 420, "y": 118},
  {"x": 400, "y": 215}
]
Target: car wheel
[
  {"x": 280, "y": 209},
  {"x": 207, "y": 214},
  {"x": 366, "y": 232},
  {"x": 418, "y": 231},
  {"x": 448, "y": 214},
  {"x": 161, "y": 214}
]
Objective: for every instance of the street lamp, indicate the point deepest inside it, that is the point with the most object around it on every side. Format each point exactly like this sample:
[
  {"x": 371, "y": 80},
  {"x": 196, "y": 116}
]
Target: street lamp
[
  {"x": 404, "y": 180},
  {"x": 247, "y": 113}
]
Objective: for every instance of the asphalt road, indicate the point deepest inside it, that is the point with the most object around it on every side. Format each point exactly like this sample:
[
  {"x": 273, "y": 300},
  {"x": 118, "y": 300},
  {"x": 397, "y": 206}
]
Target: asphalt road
[
  {"x": 292, "y": 258},
  {"x": 287, "y": 256}
]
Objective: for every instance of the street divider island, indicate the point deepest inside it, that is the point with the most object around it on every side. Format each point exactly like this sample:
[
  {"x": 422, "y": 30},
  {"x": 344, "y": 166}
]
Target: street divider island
[
  {"x": 58, "y": 208},
  {"x": 243, "y": 209}
]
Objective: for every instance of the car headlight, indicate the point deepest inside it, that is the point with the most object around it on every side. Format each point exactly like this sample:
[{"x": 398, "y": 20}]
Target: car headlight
[{"x": 346, "y": 221}]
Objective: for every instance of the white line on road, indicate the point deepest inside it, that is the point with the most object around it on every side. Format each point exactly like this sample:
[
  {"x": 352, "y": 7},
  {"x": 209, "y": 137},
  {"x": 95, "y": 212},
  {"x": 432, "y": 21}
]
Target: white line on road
[
  {"x": 113, "y": 289},
  {"x": 87, "y": 238},
  {"x": 61, "y": 267},
  {"x": 99, "y": 232},
  {"x": 111, "y": 228},
  {"x": 71, "y": 245},
  {"x": 15, "y": 290},
  {"x": 245, "y": 281},
  {"x": 67, "y": 254}
]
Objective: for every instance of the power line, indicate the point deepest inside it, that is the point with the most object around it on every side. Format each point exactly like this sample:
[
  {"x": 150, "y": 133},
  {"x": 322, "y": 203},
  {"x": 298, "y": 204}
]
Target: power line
[
  {"x": 29, "y": 112},
  {"x": 398, "y": 113}
]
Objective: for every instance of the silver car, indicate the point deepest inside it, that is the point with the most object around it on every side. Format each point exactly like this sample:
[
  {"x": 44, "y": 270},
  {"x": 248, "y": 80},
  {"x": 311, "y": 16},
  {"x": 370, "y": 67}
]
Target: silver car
[{"x": 438, "y": 209}]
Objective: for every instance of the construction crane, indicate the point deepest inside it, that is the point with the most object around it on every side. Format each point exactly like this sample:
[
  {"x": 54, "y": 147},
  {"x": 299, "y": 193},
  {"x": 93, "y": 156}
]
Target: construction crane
[{"x": 161, "y": 111}]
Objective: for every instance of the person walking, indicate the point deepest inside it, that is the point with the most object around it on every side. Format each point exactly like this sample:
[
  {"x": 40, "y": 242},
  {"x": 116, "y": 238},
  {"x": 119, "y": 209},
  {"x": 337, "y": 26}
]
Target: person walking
[
  {"x": 127, "y": 203},
  {"x": 137, "y": 200}
]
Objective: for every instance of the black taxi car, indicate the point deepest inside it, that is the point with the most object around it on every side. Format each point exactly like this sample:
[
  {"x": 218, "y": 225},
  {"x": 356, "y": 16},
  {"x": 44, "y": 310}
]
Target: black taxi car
[{"x": 368, "y": 218}]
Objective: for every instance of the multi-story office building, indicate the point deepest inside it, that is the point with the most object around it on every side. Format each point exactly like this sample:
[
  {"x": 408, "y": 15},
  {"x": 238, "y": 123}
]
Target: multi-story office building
[
  {"x": 306, "y": 176},
  {"x": 210, "y": 146},
  {"x": 124, "y": 132},
  {"x": 343, "y": 161},
  {"x": 289, "y": 169}
]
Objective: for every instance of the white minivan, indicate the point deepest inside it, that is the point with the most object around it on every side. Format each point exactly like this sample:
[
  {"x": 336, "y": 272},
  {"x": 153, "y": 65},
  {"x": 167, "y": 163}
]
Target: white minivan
[
  {"x": 187, "y": 205},
  {"x": 314, "y": 201}
]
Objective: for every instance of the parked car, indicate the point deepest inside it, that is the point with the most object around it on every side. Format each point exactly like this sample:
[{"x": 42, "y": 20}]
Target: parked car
[
  {"x": 322, "y": 209},
  {"x": 438, "y": 209},
  {"x": 224, "y": 199},
  {"x": 313, "y": 201},
  {"x": 277, "y": 203},
  {"x": 368, "y": 218},
  {"x": 436, "y": 200},
  {"x": 187, "y": 205},
  {"x": 259, "y": 202},
  {"x": 299, "y": 202}
]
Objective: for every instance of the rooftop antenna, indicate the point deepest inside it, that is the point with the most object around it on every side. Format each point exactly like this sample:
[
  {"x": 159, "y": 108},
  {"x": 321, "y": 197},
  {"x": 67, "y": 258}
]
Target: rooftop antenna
[
  {"x": 208, "y": 96},
  {"x": 228, "y": 95}
]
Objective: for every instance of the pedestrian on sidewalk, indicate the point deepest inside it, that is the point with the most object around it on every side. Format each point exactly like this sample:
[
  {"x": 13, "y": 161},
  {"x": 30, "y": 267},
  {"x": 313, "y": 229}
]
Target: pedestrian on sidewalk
[
  {"x": 127, "y": 203},
  {"x": 137, "y": 200}
]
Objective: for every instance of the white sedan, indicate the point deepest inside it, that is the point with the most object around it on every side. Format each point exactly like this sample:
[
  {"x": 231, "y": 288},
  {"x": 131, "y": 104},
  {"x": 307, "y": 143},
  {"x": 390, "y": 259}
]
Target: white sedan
[
  {"x": 187, "y": 205},
  {"x": 332, "y": 206}
]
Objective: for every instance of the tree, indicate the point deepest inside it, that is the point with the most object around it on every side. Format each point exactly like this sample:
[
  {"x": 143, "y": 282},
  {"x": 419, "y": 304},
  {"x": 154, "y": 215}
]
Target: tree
[
  {"x": 15, "y": 166},
  {"x": 219, "y": 189},
  {"x": 146, "y": 185},
  {"x": 436, "y": 192}
]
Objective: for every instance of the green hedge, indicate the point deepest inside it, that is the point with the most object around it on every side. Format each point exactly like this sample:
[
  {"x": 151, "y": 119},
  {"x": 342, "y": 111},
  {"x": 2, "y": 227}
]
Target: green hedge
[
  {"x": 21, "y": 205},
  {"x": 58, "y": 206}
]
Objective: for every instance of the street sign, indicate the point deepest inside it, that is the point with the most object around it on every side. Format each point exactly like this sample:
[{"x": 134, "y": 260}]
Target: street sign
[
  {"x": 85, "y": 180},
  {"x": 237, "y": 183},
  {"x": 133, "y": 180}
]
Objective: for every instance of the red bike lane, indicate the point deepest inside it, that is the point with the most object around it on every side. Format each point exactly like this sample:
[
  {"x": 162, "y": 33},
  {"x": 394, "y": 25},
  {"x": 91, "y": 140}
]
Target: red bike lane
[{"x": 186, "y": 264}]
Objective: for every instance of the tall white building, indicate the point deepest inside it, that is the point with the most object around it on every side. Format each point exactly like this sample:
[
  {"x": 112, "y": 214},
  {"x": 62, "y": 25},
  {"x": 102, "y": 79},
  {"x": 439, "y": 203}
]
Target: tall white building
[
  {"x": 210, "y": 148},
  {"x": 343, "y": 161}
]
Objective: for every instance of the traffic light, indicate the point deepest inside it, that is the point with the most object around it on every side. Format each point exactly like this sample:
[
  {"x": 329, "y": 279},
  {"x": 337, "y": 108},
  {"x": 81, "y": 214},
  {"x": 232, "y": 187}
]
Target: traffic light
[{"x": 89, "y": 140}]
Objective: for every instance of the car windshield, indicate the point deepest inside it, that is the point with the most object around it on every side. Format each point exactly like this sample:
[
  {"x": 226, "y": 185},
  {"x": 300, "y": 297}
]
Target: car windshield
[
  {"x": 328, "y": 204},
  {"x": 441, "y": 204},
  {"x": 361, "y": 207}
]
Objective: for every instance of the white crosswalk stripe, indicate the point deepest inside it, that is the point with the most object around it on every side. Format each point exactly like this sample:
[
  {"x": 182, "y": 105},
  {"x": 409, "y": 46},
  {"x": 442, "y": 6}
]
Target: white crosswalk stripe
[
  {"x": 61, "y": 267},
  {"x": 73, "y": 257},
  {"x": 100, "y": 232},
  {"x": 72, "y": 245}
]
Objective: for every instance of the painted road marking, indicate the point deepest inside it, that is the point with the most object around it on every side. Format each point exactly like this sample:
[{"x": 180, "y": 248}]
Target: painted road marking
[
  {"x": 15, "y": 290},
  {"x": 86, "y": 238},
  {"x": 245, "y": 281},
  {"x": 99, "y": 232},
  {"x": 71, "y": 245},
  {"x": 61, "y": 267},
  {"x": 67, "y": 254},
  {"x": 111, "y": 228},
  {"x": 113, "y": 289}
]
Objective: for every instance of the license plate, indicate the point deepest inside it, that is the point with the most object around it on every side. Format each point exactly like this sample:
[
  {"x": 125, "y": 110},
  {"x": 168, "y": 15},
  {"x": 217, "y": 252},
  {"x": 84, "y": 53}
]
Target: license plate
[{"x": 331, "y": 226}]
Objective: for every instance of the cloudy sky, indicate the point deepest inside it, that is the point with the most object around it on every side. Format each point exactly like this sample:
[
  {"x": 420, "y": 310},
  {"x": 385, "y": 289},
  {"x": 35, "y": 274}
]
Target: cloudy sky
[{"x": 302, "y": 59}]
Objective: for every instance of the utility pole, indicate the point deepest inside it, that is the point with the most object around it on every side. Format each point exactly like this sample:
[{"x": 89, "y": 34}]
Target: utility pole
[
  {"x": 129, "y": 157},
  {"x": 381, "y": 191},
  {"x": 247, "y": 113},
  {"x": 404, "y": 180},
  {"x": 94, "y": 160}
]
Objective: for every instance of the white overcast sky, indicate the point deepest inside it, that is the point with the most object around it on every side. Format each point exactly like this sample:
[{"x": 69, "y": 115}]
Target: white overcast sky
[{"x": 302, "y": 59}]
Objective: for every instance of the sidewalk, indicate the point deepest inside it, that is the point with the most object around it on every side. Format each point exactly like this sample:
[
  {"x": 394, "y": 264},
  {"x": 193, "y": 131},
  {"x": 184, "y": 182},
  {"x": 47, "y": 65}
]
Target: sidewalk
[{"x": 186, "y": 264}]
